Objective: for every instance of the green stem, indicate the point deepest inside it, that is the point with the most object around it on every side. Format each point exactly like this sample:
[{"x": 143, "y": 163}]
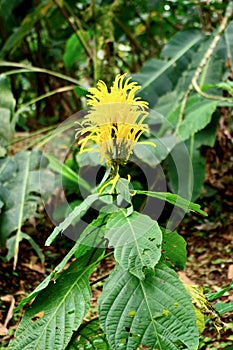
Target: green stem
[
  {"x": 41, "y": 97},
  {"x": 28, "y": 68}
]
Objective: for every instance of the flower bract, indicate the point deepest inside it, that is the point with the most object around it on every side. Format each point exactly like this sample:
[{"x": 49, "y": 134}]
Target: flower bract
[{"x": 115, "y": 120}]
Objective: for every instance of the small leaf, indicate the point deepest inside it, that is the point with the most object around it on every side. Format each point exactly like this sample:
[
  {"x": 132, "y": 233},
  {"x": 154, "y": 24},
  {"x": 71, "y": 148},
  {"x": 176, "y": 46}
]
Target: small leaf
[
  {"x": 174, "y": 249},
  {"x": 91, "y": 337},
  {"x": 175, "y": 200}
]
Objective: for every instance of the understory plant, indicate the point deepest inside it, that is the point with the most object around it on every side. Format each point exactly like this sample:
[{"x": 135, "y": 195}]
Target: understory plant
[{"x": 144, "y": 303}]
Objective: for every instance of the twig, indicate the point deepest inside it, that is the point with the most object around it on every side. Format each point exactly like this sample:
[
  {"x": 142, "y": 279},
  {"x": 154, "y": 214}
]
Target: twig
[{"x": 78, "y": 33}]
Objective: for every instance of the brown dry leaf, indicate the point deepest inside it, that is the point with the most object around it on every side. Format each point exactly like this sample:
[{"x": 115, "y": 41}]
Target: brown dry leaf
[
  {"x": 35, "y": 267},
  {"x": 208, "y": 226},
  {"x": 184, "y": 278},
  {"x": 9, "y": 299},
  {"x": 230, "y": 272},
  {"x": 3, "y": 330}
]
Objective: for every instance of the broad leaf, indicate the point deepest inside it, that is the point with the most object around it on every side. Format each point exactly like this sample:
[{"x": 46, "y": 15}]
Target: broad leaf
[
  {"x": 154, "y": 76},
  {"x": 91, "y": 237},
  {"x": 197, "y": 115},
  {"x": 223, "y": 308},
  {"x": 156, "y": 312},
  {"x": 22, "y": 183},
  {"x": 137, "y": 241},
  {"x": 74, "y": 51},
  {"x": 57, "y": 311},
  {"x": 154, "y": 156}
]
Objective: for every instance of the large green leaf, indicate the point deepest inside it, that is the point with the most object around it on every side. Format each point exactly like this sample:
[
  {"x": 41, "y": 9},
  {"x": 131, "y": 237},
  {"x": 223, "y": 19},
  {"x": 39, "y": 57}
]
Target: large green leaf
[
  {"x": 91, "y": 237},
  {"x": 155, "y": 312},
  {"x": 197, "y": 115},
  {"x": 155, "y": 76},
  {"x": 137, "y": 241},
  {"x": 21, "y": 185},
  {"x": 57, "y": 311}
]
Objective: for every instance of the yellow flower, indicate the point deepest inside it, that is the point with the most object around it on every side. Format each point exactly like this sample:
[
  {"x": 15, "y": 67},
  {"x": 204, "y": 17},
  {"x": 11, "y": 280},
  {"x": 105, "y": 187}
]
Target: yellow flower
[{"x": 115, "y": 120}]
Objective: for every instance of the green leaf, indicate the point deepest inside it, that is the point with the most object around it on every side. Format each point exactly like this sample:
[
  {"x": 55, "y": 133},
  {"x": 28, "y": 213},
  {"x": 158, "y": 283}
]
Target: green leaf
[
  {"x": 76, "y": 215},
  {"x": 12, "y": 241},
  {"x": 7, "y": 106},
  {"x": 90, "y": 337},
  {"x": 223, "y": 308},
  {"x": 57, "y": 311},
  {"x": 154, "y": 155},
  {"x": 137, "y": 241},
  {"x": 21, "y": 194},
  {"x": 27, "y": 24},
  {"x": 122, "y": 189},
  {"x": 220, "y": 293},
  {"x": 174, "y": 249},
  {"x": 91, "y": 237},
  {"x": 197, "y": 115},
  {"x": 74, "y": 51},
  {"x": 175, "y": 200},
  {"x": 156, "y": 312},
  {"x": 67, "y": 172},
  {"x": 154, "y": 75}
]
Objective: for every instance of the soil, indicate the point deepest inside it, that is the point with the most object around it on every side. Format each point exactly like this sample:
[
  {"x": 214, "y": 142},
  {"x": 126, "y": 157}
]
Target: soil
[{"x": 209, "y": 249}]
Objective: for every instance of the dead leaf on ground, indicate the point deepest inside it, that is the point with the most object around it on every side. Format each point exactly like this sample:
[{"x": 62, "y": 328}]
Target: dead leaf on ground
[
  {"x": 35, "y": 267},
  {"x": 184, "y": 278},
  {"x": 230, "y": 272},
  {"x": 3, "y": 330},
  {"x": 9, "y": 299}
]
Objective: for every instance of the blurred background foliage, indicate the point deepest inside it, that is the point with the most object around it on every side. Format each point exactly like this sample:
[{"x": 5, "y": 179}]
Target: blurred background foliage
[
  {"x": 52, "y": 51},
  {"x": 87, "y": 41}
]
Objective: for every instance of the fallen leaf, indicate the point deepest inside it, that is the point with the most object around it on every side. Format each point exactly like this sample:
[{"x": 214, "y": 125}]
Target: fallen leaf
[
  {"x": 3, "y": 330},
  {"x": 230, "y": 272},
  {"x": 35, "y": 267},
  {"x": 9, "y": 299},
  {"x": 184, "y": 278}
]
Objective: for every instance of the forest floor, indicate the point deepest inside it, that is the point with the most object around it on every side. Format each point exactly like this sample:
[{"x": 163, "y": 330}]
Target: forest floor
[{"x": 209, "y": 250}]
